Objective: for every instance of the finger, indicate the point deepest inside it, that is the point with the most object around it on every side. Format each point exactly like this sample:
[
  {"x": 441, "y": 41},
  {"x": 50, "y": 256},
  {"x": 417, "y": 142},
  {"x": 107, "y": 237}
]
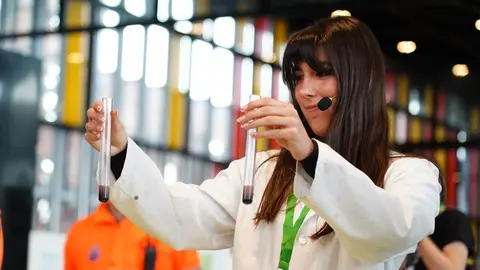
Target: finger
[
  {"x": 269, "y": 122},
  {"x": 116, "y": 123},
  {"x": 93, "y": 127},
  {"x": 98, "y": 106},
  {"x": 261, "y": 103},
  {"x": 277, "y": 134},
  {"x": 91, "y": 138},
  {"x": 262, "y": 112},
  {"x": 92, "y": 114}
]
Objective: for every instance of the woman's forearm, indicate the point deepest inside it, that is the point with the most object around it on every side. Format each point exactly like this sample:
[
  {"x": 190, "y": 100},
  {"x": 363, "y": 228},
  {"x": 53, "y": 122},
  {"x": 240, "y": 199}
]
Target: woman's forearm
[{"x": 432, "y": 256}]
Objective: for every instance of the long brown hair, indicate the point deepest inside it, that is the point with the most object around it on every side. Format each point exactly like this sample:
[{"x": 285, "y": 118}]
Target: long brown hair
[{"x": 359, "y": 127}]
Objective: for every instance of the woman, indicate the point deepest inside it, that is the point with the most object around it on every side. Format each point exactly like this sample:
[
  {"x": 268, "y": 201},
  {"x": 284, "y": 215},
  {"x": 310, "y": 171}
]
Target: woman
[{"x": 332, "y": 198}]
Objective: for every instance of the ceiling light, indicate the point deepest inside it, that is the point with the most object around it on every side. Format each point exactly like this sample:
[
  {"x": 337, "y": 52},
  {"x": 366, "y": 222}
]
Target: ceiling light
[
  {"x": 460, "y": 70},
  {"x": 406, "y": 47},
  {"x": 477, "y": 24},
  {"x": 341, "y": 13}
]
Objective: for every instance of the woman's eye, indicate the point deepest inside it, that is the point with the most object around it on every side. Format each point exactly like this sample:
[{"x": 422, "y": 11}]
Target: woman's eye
[{"x": 324, "y": 73}]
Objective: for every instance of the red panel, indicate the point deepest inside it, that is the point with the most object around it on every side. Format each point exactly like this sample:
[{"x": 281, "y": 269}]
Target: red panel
[
  {"x": 452, "y": 135},
  {"x": 441, "y": 106},
  {"x": 240, "y": 137},
  {"x": 217, "y": 168},
  {"x": 472, "y": 188},
  {"x": 390, "y": 84},
  {"x": 451, "y": 178},
  {"x": 427, "y": 131},
  {"x": 262, "y": 24},
  {"x": 236, "y": 130}
]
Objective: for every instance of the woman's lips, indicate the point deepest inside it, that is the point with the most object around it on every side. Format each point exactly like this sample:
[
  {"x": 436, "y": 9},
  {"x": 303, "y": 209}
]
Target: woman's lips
[{"x": 312, "y": 108}]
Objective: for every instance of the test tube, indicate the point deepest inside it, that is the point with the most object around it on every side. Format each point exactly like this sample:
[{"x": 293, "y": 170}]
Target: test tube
[
  {"x": 250, "y": 153},
  {"x": 105, "y": 151}
]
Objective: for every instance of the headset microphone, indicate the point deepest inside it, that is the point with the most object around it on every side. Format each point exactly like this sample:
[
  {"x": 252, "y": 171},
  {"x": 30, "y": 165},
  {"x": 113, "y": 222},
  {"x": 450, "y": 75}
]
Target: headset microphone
[{"x": 325, "y": 103}]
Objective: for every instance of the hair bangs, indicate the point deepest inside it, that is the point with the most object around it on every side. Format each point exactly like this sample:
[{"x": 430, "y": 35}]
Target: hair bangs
[{"x": 303, "y": 46}]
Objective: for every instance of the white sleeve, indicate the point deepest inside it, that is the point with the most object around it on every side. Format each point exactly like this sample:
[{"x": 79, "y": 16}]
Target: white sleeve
[
  {"x": 183, "y": 216},
  {"x": 372, "y": 223}
]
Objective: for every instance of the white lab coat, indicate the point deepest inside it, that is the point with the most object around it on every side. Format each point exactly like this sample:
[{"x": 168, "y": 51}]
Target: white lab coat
[{"x": 374, "y": 228}]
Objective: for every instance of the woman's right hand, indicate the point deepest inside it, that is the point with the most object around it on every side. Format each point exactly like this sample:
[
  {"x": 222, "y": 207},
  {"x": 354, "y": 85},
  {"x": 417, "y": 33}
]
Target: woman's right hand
[{"x": 94, "y": 127}]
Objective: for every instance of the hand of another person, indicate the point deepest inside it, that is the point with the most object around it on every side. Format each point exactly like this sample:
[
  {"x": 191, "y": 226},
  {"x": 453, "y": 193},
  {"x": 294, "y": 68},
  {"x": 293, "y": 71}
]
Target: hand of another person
[
  {"x": 119, "y": 137},
  {"x": 282, "y": 123}
]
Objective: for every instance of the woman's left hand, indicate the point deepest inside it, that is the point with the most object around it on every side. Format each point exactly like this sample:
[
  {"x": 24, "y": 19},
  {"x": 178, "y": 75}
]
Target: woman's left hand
[{"x": 281, "y": 122}]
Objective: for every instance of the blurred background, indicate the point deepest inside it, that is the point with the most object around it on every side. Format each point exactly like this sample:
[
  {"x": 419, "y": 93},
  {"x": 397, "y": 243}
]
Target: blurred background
[{"x": 179, "y": 71}]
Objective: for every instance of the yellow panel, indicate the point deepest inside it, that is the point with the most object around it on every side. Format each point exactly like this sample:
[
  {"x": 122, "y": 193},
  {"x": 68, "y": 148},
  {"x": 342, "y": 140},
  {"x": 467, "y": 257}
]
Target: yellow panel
[
  {"x": 280, "y": 37},
  {"x": 177, "y": 100},
  {"x": 402, "y": 91},
  {"x": 391, "y": 119},
  {"x": 428, "y": 100},
  {"x": 262, "y": 144},
  {"x": 441, "y": 160},
  {"x": 176, "y": 122},
  {"x": 202, "y": 7},
  {"x": 239, "y": 25},
  {"x": 440, "y": 133},
  {"x": 75, "y": 55},
  {"x": 415, "y": 130},
  {"x": 474, "y": 119}
]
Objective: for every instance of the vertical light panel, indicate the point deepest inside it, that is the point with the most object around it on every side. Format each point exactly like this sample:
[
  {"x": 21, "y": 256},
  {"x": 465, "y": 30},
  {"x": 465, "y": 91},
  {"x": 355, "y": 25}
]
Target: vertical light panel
[
  {"x": 391, "y": 88},
  {"x": 266, "y": 75},
  {"x": 280, "y": 38},
  {"x": 236, "y": 109},
  {"x": 156, "y": 66},
  {"x": 452, "y": 178},
  {"x": 200, "y": 93},
  {"x": 415, "y": 130},
  {"x": 131, "y": 73},
  {"x": 245, "y": 89},
  {"x": 202, "y": 7},
  {"x": 106, "y": 64},
  {"x": 401, "y": 127},
  {"x": 163, "y": 10},
  {"x": 182, "y": 9},
  {"x": 156, "y": 77},
  {"x": 463, "y": 179},
  {"x": 245, "y": 36},
  {"x": 221, "y": 101},
  {"x": 414, "y": 105},
  {"x": 402, "y": 91},
  {"x": 177, "y": 110},
  {"x": 391, "y": 119},
  {"x": 427, "y": 131},
  {"x": 224, "y": 32},
  {"x": 272, "y": 144},
  {"x": 472, "y": 189},
  {"x": 440, "y": 133},
  {"x": 441, "y": 106},
  {"x": 428, "y": 97},
  {"x": 75, "y": 55},
  {"x": 474, "y": 120}
]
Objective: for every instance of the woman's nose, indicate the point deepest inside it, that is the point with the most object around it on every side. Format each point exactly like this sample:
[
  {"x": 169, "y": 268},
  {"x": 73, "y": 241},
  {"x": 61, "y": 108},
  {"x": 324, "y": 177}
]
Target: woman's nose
[{"x": 307, "y": 92}]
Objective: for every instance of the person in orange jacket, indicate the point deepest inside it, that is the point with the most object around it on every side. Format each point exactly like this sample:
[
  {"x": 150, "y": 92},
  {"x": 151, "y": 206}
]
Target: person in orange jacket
[{"x": 105, "y": 240}]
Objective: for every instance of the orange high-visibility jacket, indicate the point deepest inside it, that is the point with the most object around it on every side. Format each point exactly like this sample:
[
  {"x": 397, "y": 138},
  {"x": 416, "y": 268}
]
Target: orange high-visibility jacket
[{"x": 100, "y": 242}]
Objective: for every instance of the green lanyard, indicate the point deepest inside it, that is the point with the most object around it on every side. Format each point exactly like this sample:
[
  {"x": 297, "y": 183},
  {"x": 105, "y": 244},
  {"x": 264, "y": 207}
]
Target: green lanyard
[{"x": 290, "y": 231}]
